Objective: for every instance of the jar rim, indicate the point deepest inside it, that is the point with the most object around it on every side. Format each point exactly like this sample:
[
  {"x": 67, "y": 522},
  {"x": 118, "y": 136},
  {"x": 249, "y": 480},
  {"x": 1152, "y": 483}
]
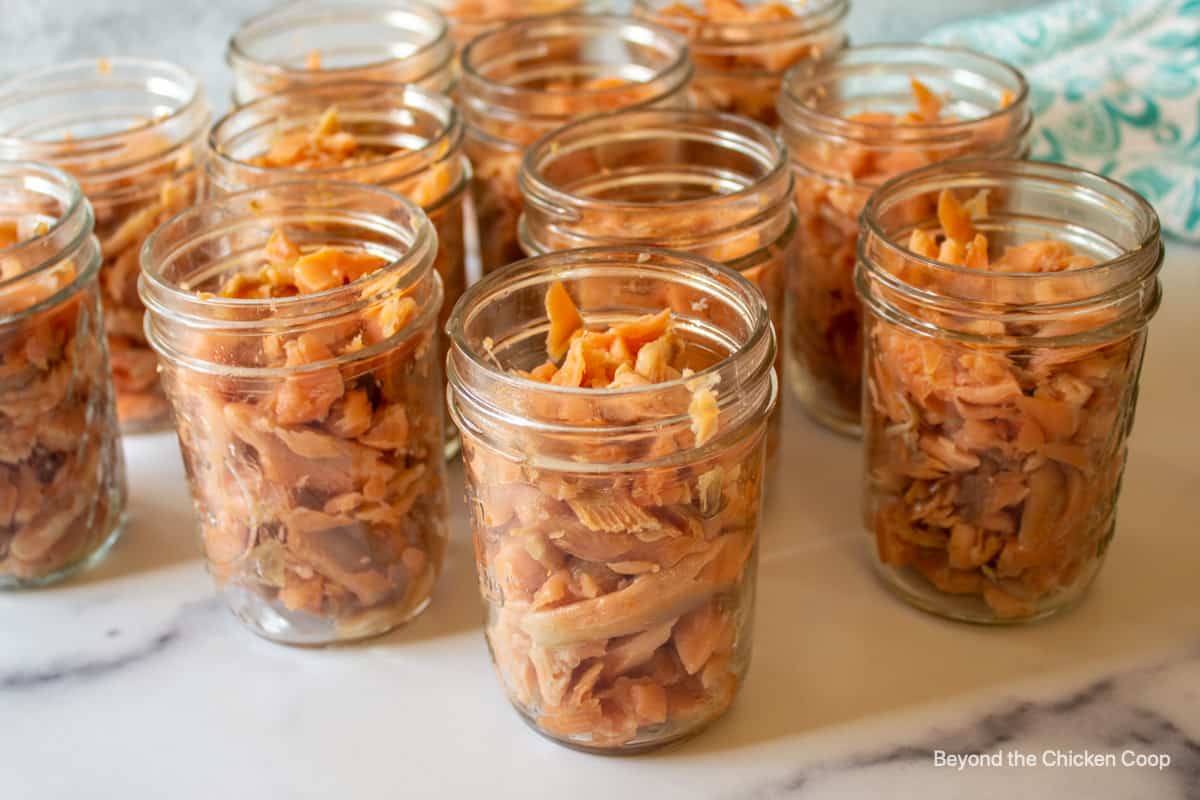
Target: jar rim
[
  {"x": 74, "y": 224},
  {"x": 1132, "y": 275},
  {"x": 423, "y": 240},
  {"x": 597, "y": 260},
  {"x": 486, "y": 22},
  {"x": 555, "y": 206},
  {"x": 934, "y": 176},
  {"x": 811, "y": 17},
  {"x": 15, "y": 91},
  {"x": 590, "y": 24},
  {"x": 713, "y": 127},
  {"x": 811, "y": 76},
  {"x": 237, "y": 52},
  {"x": 451, "y": 129}
]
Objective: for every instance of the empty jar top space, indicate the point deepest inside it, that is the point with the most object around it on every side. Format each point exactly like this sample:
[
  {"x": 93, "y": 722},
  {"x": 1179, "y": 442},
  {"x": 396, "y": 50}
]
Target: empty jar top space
[
  {"x": 984, "y": 102},
  {"x": 501, "y": 325},
  {"x": 400, "y": 132},
  {"x": 544, "y": 71},
  {"x": 106, "y": 121},
  {"x": 47, "y": 251},
  {"x": 1026, "y": 201},
  {"x": 313, "y": 41},
  {"x": 680, "y": 177},
  {"x": 187, "y": 260}
]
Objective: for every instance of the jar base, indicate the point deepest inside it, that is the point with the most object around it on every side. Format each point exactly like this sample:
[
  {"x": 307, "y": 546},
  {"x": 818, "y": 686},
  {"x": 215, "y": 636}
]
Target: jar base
[
  {"x": 812, "y": 400},
  {"x": 645, "y": 743},
  {"x": 912, "y": 587},
  {"x": 275, "y": 623},
  {"x": 87, "y": 562}
]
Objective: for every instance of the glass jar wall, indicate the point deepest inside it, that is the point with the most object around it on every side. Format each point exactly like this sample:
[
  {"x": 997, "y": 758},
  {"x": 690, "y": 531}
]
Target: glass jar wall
[
  {"x": 529, "y": 78},
  {"x": 615, "y": 490},
  {"x": 296, "y": 329},
  {"x": 701, "y": 182},
  {"x": 1006, "y": 311},
  {"x": 309, "y": 42},
  {"x": 132, "y": 133},
  {"x": 852, "y": 122},
  {"x": 62, "y": 477}
]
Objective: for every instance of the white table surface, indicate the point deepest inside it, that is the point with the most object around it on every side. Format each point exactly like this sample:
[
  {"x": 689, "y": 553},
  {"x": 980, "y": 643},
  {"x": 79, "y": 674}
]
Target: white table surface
[{"x": 133, "y": 682}]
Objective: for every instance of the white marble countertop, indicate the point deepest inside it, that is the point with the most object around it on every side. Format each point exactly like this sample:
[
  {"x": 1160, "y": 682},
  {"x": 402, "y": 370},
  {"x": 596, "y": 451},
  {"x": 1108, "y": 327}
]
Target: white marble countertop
[{"x": 133, "y": 682}]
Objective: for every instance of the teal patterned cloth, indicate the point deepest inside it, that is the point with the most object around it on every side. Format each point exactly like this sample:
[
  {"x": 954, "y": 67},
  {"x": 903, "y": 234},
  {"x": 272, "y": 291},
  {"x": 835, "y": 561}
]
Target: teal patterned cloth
[{"x": 1115, "y": 89}]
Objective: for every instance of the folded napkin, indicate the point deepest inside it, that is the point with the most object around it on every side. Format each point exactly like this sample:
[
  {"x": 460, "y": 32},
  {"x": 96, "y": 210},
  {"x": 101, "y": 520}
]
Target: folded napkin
[{"x": 1115, "y": 89}]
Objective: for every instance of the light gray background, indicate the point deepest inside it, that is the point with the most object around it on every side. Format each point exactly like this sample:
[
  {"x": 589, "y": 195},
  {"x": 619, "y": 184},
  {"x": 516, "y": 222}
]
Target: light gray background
[{"x": 194, "y": 32}]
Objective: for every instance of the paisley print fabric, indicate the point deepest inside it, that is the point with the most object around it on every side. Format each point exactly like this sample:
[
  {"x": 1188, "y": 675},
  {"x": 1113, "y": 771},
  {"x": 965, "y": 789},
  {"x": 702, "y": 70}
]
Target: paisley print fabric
[{"x": 1115, "y": 89}]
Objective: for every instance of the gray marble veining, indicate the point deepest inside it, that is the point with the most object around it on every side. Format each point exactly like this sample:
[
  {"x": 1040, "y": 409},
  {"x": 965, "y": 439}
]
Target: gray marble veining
[{"x": 1116, "y": 718}]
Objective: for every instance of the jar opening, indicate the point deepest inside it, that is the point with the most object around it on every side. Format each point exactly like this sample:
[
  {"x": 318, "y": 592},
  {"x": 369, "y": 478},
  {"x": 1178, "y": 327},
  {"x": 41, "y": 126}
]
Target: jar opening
[
  {"x": 708, "y": 33},
  {"x": 52, "y": 225},
  {"x": 836, "y": 97},
  {"x": 343, "y": 37},
  {"x": 556, "y": 67},
  {"x": 470, "y": 18},
  {"x": 689, "y": 175},
  {"x": 104, "y": 119},
  {"x": 187, "y": 259},
  {"x": 500, "y": 325},
  {"x": 406, "y": 130},
  {"x": 1105, "y": 222}
]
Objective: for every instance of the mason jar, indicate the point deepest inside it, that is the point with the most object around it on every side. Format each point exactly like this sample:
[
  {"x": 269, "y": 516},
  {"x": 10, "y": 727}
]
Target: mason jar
[
  {"x": 470, "y": 18},
  {"x": 701, "y": 182},
  {"x": 1001, "y": 387},
  {"x": 531, "y": 77},
  {"x": 296, "y": 329},
  {"x": 741, "y": 50},
  {"x": 62, "y": 477},
  {"x": 308, "y": 42},
  {"x": 851, "y": 123},
  {"x": 131, "y": 132},
  {"x": 615, "y": 530}
]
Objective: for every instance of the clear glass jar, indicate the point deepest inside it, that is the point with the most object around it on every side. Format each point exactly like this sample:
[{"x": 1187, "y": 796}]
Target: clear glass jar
[
  {"x": 311, "y": 423},
  {"x": 846, "y": 131},
  {"x": 62, "y": 477},
  {"x": 402, "y": 137},
  {"x": 701, "y": 182},
  {"x": 1000, "y": 400},
  {"x": 470, "y": 18},
  {"x": 131, "y": 132},
  {"x": 616, "y": 548},
  {"x": 529, "y": 78},
  {"x": 742, "y": 48},
  {"x": 307, "y": 42}
]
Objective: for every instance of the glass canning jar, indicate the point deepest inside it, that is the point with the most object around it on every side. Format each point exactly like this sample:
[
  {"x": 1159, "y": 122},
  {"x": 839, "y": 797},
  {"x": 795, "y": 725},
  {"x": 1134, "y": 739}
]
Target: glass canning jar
[
  {"x": 308, "y": 42},
  {"x": 528, "y": 78},
  {"x": 615, "y": 534},
  {"x": 296, "y": 329},
  {"x": 741, "y": 50},
  {"x": 470, "y": 18},
  {"x": 401, "y": 137},
  {"x": 62, "y": 477},
  {"x": 850, "y": 125},
  {"x": 702, "y": 182},
  {"x": 1002, "y": 387},
  {"x": 131, "y": 132}
]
